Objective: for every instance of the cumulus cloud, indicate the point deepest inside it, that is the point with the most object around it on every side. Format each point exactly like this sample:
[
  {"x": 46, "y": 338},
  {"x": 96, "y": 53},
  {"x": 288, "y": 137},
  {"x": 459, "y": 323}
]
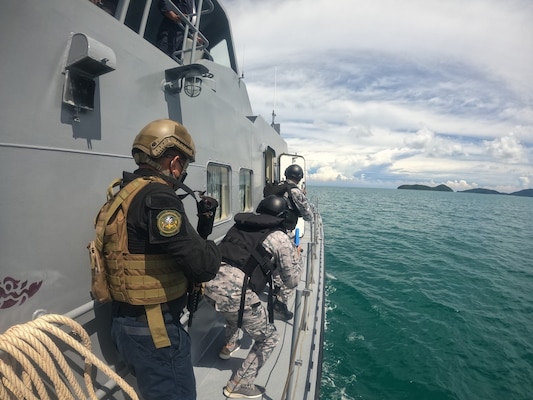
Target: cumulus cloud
[
  {"x": 461, "y": 185},
  {"x": 507, "y": 149},
  {"x": 524, "y": 181},
  {"x": 328, "y": 174},
  {"x": 387, "y": 92}
]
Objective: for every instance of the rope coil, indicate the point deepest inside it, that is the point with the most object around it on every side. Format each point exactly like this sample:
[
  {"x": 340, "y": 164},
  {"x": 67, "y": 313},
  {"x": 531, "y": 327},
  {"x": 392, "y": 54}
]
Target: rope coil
[{"x": 32, "y": 364}]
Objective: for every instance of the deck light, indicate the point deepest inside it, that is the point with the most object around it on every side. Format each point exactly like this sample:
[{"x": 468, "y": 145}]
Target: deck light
[{"x": 187, "y": 77}]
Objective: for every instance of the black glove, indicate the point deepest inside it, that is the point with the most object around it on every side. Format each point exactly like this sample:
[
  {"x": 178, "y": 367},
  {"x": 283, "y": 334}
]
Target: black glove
[{"x": 207, "y": 207}]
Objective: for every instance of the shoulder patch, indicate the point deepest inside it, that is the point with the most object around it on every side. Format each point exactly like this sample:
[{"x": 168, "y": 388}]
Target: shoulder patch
[{"x": 168, "y": 222}]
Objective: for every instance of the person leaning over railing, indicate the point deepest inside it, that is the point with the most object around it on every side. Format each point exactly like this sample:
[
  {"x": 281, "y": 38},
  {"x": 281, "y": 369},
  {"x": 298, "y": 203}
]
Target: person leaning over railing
[{"x": 254, "y": 249}]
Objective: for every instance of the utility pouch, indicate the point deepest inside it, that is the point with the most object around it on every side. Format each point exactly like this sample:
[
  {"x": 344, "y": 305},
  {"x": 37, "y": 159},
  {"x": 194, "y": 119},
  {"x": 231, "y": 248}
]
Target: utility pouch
[{"x": 99, "y": 288}]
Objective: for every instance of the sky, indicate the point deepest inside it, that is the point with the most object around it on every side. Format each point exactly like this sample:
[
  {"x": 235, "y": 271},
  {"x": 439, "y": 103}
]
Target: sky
[{"x": 380, "y": 93}]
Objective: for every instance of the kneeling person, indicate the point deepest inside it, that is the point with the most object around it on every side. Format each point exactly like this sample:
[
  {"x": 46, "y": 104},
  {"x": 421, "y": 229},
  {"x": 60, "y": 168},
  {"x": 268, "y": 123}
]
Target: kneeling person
[{"x": 257, "y": 242}]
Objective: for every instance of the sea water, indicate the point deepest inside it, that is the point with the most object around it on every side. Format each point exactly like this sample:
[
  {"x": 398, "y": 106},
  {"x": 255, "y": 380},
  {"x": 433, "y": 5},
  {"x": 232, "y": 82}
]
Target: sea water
[{"x": 429, "y": 295}]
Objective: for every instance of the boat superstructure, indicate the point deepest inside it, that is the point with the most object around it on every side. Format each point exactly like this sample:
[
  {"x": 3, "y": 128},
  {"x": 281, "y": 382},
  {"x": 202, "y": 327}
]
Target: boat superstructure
[{"x": 77, "y": 83}]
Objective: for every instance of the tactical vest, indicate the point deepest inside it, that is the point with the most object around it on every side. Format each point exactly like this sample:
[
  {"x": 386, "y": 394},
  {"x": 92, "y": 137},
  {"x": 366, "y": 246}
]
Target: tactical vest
[
  {"x": 136, "y": 279},
  {"x": 242, "y": 247}
]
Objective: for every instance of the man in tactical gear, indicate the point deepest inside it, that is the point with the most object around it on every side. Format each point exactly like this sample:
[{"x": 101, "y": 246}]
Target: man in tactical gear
[
  {"x": 298, "y": 201},
  {"x": 162, "y": 256},
  {"x": 299, "y": 205},
  {"x": 254, "y": 249}
]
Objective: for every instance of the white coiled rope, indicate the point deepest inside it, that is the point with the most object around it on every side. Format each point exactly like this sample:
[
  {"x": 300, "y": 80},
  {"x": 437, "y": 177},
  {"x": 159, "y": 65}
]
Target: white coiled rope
[{"x": 31, "y": 361}]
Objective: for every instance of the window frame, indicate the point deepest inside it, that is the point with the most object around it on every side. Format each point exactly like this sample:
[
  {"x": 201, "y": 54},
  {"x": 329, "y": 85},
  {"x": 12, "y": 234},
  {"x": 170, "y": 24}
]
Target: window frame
[
  {"x": 246, "y": 203},
  {"x": 218, "y": 186}
]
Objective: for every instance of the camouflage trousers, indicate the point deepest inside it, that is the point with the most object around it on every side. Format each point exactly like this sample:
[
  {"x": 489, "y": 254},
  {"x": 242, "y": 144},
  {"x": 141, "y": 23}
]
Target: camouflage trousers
[
  {"x": 255, "y": 324},
  {"x": 283, "y": 293}
]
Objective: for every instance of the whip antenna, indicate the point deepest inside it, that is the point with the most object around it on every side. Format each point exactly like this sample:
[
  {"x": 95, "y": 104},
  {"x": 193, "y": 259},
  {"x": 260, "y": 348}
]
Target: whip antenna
[
  {"x": 274, "y": 105},
  {"x": 242, "y": 68}
]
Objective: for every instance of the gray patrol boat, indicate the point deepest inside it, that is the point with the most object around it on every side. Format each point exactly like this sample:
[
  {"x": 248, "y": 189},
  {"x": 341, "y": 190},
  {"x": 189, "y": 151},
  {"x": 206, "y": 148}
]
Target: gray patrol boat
[{"x": 77, "y": 83}]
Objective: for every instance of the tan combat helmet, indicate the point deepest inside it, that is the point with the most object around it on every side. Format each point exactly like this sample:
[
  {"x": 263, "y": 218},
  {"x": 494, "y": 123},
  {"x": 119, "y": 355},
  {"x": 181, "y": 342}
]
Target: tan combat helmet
[{"x": 160, "y": 135}]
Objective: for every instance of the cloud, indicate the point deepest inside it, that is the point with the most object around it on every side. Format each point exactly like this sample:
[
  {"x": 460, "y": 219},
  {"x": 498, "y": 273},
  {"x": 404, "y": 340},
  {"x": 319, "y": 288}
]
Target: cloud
[
  {"x": 507, "y": 149},
  {"x": 384, "y": 92}
]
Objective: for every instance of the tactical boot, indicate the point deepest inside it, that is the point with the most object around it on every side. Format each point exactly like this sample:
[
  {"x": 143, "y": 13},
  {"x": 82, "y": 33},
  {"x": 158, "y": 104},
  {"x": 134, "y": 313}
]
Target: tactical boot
[
  {"x": 228, "y": 350},
  {"x": 281, "y": 311},
  {"x": 244, "y": 392}
]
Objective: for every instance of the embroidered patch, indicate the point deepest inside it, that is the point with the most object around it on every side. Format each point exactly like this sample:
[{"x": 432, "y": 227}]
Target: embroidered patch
[{"x": 168, "y": 222}]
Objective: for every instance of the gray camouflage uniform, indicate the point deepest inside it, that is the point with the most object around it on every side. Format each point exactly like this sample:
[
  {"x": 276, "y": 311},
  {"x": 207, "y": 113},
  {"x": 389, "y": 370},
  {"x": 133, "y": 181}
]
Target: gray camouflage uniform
[
  {"x": 302, "y": 204},
  {"x": 225, "y": 292}
]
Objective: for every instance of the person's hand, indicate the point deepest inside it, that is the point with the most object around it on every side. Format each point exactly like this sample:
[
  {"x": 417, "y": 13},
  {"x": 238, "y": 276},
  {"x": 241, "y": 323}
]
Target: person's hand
[
  {"x": 207, "y": 207},
  {"x": 172, "y": 16}
]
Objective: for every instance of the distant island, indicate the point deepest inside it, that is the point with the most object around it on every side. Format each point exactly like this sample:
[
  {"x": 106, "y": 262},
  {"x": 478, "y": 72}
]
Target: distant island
[
  {"x": 440, "y": 188},
  {"x": 523, "y": 193},
  {"x": 444, "y": 188}
]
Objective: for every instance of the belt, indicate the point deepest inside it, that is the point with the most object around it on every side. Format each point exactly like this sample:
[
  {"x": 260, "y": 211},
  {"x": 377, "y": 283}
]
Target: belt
[
  {"x": 138, "y": 312},
  {"x": 142, "y": 317}
]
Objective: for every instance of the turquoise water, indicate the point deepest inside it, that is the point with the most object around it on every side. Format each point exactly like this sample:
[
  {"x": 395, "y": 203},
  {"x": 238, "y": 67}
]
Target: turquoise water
[{"x": 429, "y": 295}]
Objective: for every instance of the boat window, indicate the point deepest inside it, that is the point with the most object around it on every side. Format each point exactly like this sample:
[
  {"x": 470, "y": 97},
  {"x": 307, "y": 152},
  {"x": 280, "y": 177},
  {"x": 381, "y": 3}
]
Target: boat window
[
  {"x": 220, "y": 53},
  {"x": 135, "y": 14},
  {"x": 152, "y": 23},
  {"x": 245, "y": 190},
  {"x": 109, "y": 6},
  {"x": 218, "y": 186},
  {"x": 270, "y": 157}
]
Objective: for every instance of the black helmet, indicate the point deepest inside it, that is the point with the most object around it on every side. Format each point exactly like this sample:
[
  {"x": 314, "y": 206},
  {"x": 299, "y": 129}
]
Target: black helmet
[
  {"x": 294, "y": 172},
  {"x": 273, "y": 205}
]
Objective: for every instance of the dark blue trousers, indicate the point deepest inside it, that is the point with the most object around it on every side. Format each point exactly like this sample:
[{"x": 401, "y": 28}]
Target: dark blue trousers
[{"x": 162, "y": 374}]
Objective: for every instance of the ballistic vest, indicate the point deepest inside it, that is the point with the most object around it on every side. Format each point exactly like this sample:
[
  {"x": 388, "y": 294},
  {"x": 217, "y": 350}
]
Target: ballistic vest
[
  {"x": 242, "y": 247},
  {"x": 137, "y": 279}
]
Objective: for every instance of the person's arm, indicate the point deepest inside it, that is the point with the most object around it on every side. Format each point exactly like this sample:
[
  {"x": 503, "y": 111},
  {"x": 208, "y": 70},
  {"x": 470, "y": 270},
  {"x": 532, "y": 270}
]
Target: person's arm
[
  {"x": 286, "y": 256},
  {"x": 171, "y": 15},
  {"x": 301, "y": 202},
  {"x": 170, "y": 229}
]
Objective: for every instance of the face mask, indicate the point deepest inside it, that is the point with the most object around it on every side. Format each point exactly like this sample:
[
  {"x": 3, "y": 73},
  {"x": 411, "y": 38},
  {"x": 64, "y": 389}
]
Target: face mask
[{"x": 182, "y": 177}]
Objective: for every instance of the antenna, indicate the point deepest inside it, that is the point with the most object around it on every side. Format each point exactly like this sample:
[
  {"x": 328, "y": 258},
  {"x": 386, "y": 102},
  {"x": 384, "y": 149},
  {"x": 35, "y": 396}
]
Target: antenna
[
  {"x": 242, "y": 68},
  {"x": 274, "y": 106}
]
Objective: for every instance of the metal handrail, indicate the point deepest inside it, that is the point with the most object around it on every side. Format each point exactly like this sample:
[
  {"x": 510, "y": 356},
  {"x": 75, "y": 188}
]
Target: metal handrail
[
  {"x": 195, "y": 29},
  {"x": 300, "y": 309},
  {"x": 122, "y": 9}
]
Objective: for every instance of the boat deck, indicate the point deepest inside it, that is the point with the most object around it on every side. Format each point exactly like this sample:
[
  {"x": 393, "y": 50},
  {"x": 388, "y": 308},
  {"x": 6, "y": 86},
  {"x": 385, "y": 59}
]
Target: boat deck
[{"x": 302, "y": 364}]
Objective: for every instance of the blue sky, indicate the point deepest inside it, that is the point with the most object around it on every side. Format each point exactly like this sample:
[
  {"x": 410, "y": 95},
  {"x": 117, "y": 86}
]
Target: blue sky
[{"x": 379, "y": 93}]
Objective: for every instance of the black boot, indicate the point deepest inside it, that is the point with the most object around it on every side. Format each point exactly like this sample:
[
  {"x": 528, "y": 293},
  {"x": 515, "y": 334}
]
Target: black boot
[{"x": 281, "y": 311}]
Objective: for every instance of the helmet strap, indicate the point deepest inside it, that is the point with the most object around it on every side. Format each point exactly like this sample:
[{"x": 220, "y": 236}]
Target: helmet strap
[
  {"x": 177, "y": 184},
  {"x": 166, "y": 175}
]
